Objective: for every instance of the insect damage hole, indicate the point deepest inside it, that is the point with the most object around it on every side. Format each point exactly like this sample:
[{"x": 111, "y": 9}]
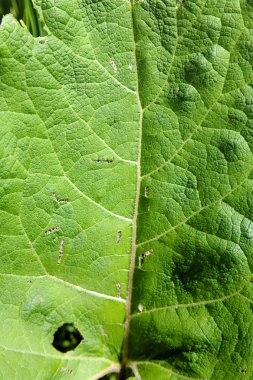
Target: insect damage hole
[
  {"x": 60, "y": 252},
  {"x": 143, "y": 256},
  {"x": 118, "y": 237},
  {"x": 67, "y": 338},
  {"x": 146, "y": 191}
]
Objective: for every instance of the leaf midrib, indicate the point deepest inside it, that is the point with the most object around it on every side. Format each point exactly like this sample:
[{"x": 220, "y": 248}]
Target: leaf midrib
[{"x": 136, "y": 205}]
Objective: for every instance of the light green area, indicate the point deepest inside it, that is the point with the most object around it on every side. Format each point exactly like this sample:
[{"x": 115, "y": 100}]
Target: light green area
[
  {"x": 62, "y": 111},
  {"x": 70, "y": 126}
]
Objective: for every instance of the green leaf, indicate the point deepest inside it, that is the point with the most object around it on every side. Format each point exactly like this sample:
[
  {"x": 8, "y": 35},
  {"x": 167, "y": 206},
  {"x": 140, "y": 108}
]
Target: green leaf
[{"x": 127, "y": 191}]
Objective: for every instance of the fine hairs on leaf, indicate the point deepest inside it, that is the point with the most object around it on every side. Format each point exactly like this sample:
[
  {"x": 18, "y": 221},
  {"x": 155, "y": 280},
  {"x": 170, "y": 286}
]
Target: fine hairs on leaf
[{"x": 126, "y": 195}]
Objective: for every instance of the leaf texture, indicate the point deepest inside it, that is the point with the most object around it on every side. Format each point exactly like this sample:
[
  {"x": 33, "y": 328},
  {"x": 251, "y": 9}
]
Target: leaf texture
[{"x": 126, "y": 190}]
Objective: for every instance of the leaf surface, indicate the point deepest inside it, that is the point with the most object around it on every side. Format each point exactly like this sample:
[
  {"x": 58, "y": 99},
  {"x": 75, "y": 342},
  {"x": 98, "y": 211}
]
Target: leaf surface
[{"x": 126, "y": 190}]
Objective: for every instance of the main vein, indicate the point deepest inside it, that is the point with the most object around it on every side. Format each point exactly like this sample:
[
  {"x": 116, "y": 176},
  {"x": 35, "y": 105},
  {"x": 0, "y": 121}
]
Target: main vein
[{"x": 135, "y": 215}]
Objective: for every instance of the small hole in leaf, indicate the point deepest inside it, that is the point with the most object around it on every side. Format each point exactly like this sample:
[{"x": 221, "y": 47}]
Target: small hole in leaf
[
  {"x": 67, "y": 338},
  {"x": 126, "y": 373}
]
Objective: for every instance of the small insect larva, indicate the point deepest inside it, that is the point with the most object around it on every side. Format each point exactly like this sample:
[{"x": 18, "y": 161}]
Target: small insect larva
[
  {"x": 68, "y": 371},
  {"x": 52, "y": 230},
  {"x": 104, "y": 333},
  {"x": 63, "y": 201},
  {"x": 180, "y": 3},
  {"x": 119, "y": 289},
  {"x": 146, "y": 193},
  {"x": 104, "y": 160},
  {"x": 118, "y": 237},
  {"x": 140, "y": 308},
  {"x": 114, "y": 66},
  {"x": 60, "y": 201},
  {"x": 143, "y": 255},
  {"x": 60, "y": 252}
]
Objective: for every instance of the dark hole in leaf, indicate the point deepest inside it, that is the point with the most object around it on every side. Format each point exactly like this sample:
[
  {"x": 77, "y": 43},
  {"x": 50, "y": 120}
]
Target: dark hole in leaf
[
  {"x": 110, "y": 376},
  {"x": 125, "y": 374},
  {"x": 67, "y": 338}
]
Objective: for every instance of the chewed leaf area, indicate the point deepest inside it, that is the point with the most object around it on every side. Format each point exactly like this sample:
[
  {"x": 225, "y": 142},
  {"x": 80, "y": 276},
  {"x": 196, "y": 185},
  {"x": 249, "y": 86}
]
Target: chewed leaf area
[{"x": 67, "y": 338}]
